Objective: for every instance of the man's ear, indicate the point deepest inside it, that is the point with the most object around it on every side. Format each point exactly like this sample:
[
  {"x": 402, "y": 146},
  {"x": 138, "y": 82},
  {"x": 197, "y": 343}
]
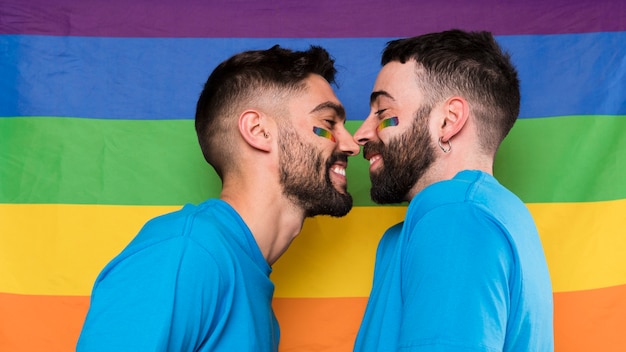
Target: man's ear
[
  {"x": 456, "y": 113},
  {"x": 254, "y": 130}
]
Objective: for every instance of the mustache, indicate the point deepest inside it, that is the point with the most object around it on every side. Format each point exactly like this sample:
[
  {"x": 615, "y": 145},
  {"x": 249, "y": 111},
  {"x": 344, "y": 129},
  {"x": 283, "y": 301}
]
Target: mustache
[
  {"x": 372, "y": 148},
  {"x": 335, "y": 157}
]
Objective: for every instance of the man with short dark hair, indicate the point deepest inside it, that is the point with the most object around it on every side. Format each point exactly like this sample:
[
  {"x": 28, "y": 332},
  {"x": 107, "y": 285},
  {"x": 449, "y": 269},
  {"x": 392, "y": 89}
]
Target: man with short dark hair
[
  {"x": 466, "y": 270},
  {"x": 197, "y": 279}
]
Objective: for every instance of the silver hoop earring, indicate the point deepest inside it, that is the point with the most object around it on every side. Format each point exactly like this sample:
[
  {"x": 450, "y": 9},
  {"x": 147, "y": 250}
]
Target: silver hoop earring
[{"x": 442, "y": 147}]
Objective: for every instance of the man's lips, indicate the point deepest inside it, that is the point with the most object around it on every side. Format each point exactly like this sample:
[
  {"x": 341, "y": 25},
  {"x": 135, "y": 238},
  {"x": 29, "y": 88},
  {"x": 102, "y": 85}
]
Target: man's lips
[
  {"x": 338, "y": 176},
  {"x": 374, "y": 158},
  {"x": 372, "y": 152},
  {"x": 338, "y": 164},
  {"x": 339, "y": 169}
]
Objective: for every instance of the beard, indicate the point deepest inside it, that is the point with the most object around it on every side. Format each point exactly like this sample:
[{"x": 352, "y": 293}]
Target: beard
[
  {"x": 405, "y": 160},
  {"x": 306, "y": 180}
]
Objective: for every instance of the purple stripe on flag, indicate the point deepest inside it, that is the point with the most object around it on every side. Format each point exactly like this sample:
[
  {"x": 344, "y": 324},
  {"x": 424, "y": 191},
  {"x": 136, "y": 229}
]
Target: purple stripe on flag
[{"x": 305, "y": 19}]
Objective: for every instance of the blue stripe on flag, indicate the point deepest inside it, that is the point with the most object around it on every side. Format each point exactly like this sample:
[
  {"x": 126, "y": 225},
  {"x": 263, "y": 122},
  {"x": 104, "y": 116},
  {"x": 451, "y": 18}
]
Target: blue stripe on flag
[{"x": 142, "y": 78}]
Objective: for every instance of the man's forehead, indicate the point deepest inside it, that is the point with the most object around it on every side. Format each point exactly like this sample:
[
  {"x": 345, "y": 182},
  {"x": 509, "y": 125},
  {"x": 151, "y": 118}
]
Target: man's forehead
[
  {"x": 395, "y": 81},
  {"x": 396, "y": 70},
  {"x": 319, "y": 97}
]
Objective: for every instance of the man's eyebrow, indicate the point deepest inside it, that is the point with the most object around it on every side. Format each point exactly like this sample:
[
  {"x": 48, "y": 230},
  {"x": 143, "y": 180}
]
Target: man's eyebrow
[
  {"x": 338, "y": 108},
  {"x": 377, "y": 94}
]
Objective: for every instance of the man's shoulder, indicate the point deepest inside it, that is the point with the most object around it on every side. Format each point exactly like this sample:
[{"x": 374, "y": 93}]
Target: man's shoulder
[{"x": 207, "y": 216}]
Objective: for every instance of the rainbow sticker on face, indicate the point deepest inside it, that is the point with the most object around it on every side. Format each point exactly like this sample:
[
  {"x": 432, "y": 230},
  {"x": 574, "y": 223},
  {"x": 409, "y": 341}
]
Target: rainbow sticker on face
[
  {"x": 392, "y": 121},
  {"x": 323, "y": 133}
]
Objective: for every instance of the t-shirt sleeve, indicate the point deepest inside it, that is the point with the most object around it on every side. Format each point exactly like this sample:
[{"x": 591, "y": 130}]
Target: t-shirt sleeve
[
  {"x": 455, "y": 282},
  {"x": 142, "y": 301}
]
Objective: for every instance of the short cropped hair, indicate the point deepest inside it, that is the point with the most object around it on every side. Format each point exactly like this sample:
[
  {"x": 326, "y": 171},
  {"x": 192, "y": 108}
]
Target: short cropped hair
[
  {"x": 471, "y": 65},
  {"x": 247, "y": 78}
]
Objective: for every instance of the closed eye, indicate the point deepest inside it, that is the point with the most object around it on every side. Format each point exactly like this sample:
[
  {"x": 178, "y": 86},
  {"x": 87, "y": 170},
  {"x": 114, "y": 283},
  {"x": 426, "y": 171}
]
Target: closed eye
[{"x": 331, "y": 123}]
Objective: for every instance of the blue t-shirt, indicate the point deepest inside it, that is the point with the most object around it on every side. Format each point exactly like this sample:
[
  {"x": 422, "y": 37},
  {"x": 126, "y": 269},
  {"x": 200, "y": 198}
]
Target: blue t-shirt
[
  {"x": 464, "y": 272},
  {"x": 192, "y": 280}
]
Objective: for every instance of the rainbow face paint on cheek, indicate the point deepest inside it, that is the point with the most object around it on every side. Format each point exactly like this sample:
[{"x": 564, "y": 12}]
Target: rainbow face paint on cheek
[
  {"x": 323, "y": 133},
  {"x": 392, "y": 121}
]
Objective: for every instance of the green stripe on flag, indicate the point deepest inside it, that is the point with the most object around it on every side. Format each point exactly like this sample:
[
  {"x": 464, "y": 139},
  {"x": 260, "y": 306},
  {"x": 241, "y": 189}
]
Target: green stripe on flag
[
  {"x": 91, "y": 161},
  {"x": 158, "y": 162},
  {"x": 565, "y": 159},
  {"x": 95, "y": 161}
]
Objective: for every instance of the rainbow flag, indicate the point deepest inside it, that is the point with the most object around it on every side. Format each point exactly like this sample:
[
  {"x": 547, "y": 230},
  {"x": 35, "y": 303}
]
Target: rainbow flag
[{"x": 97, "y": 100}]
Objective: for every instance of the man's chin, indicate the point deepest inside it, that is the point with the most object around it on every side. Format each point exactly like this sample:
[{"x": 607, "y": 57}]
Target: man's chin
[
  {"x": 382, "y": 197},
  {"x": 341, "y": 207}
]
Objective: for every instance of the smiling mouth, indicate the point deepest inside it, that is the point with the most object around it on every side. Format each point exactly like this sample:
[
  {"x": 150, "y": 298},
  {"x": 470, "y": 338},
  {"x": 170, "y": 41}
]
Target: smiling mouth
[
  {"x": 375, "y": 158},
  {"x": 338, "y": 177},
  {"x": 339, "y": 170}
]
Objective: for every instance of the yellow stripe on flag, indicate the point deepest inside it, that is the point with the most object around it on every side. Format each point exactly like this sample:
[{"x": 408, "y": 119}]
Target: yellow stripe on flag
[
  {"x": 57, "y": 249},
  {"x": 334, "y": 257},
  {"x": 584, "y": 243}
]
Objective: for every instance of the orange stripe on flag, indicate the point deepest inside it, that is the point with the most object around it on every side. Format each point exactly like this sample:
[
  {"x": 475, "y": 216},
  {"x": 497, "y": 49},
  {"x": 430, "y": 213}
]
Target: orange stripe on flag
[
  {"x": 318, "y": 324},
  {"x": 591, "y": 320},
  {"x": 52, "y": 323},
  {"x": 41, "y": 323}
]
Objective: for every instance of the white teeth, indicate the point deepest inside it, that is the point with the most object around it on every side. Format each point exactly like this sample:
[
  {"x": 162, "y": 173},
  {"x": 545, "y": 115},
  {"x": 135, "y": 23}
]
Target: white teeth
[
  {"x": 339, "y": 170},
  {"x": 374, "y": 158}
]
